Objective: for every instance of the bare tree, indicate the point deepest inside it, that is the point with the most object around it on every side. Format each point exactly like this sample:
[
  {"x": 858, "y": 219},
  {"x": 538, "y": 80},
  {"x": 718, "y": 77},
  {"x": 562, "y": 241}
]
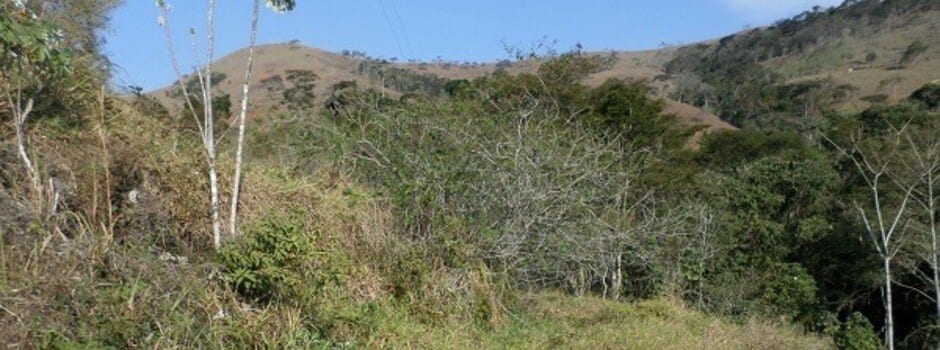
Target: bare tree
[
  {"x": 44, "y": 193},
  {"x": 207, "y": 125},
  {"x": 923, "y": 163},
  {"x": 883, "y": 225}
]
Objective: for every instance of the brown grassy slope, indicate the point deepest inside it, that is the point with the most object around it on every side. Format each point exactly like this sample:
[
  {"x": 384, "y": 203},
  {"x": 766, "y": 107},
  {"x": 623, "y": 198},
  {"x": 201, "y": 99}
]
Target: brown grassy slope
[
  {"x": 276, "y": 59},
  {"x": 844, "y": 59}
]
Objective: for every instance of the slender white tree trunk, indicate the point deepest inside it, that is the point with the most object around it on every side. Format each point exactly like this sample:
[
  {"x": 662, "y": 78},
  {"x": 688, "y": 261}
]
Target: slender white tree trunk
[
  {"x": 214, "y": 206},
  {"x": 209, "y": 136},
  {"x": 889, "y": 306},
  {"x": 618, "y": 277},
  {"x": 935, "y": 245},
  {"x": 239, "y": 152},
  {"x": 21, "y": 114}
]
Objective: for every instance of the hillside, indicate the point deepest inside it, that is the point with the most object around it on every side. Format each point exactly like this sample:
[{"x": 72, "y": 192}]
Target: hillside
[
  {"x": 850, "y": 57},
  {"x": 863, "y": 59},
  {"x": 275, "y": 62},
  {"x": 872, "y": 58}
]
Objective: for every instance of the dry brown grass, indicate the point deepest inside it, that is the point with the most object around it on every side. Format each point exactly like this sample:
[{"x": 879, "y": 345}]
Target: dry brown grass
[{"x": 847, "y": 62}]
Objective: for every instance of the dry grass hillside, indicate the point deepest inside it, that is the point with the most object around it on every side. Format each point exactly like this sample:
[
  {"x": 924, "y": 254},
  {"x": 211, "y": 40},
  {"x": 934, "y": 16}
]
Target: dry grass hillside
[
  {"x": 874, "y": 63},
  {"x": 275, "y": 61}
]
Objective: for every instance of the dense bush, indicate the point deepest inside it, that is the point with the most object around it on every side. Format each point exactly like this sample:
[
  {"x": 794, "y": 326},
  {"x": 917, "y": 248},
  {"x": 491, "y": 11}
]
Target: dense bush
[
  {"x": 856, "y": 333},
  {"x": 269, "y": 262},
  {"x": 927, "y": 96}
]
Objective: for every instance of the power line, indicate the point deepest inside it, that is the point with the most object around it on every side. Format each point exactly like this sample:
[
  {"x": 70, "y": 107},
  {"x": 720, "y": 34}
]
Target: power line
[
  {"x": 392, "y": 27},
  {"x": 404, "y": 32}
]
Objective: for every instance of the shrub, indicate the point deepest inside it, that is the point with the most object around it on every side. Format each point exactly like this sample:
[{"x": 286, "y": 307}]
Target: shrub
[
  {"x": 457, "y": 87},
  {"x": 300, "y": 95},
  {"x": 547, "y": 206},
  {"x": 927, "y": 96},
  {"x": 267, "y": 263},
  {"x": 788, "y": 289},
  {"x": 913, "y": 50},
  {"x": 856, "y": 333}
]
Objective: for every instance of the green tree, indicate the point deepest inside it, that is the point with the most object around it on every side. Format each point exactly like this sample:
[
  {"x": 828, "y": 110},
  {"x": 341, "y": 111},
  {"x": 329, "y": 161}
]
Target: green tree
[
  {"x": 81, "y": 23},
  {"x": 625, "y": 111},
  {"x": 928, "y": 96}
]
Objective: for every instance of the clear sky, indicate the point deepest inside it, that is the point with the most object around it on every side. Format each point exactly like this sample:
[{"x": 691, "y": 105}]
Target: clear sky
[{"x": 457, "y": 30}]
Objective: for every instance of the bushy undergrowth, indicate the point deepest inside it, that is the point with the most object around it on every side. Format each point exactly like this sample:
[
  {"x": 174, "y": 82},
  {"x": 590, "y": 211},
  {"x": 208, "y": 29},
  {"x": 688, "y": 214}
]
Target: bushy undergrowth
[{"x": 323, "y": 262}]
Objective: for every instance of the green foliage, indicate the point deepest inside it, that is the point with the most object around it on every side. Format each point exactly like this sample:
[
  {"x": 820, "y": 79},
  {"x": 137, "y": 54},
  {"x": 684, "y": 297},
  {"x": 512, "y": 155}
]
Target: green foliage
[
  {"x": 300, "y": 96},
  {"x": 927, "y": 96},
  {"x": 884, "y": 119},
  {"x": 402, "y": 80},
  {"x": 774, "y": 207},
  {"x": 444, "y": 179},
  {"x": 458, "y": 88},
  {"x": 194, "y": 86},
  {"x": 624, "y": 110},
  {"x": 37, "y": 62},
  {"x": 912, "y": 51},
  {"x": 30, "y": 46},
  {"x": 787, "y": 289},
  {"x": 733, "y": 76},
  {"x": 81, "y": 22},
  {"x": 267, "y": 264},
  {"x": 273, "y": 84},
  {"x": 772, "y": 193},
  {"x": 856, "y": 333},
  {"x": 534, "y": 181},
  {"x": 221, "y": 102},
  {"x": 730, "y": 149}
]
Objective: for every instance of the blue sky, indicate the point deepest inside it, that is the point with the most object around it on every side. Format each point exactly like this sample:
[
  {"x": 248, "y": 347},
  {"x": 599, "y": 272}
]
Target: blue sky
[{"x": 456, "y": 30}]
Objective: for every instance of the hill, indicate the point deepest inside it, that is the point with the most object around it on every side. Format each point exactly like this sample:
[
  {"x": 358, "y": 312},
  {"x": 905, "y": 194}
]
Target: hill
[
  {"x": 277, "y": 63},
  {"x": 849, "y": 57}
]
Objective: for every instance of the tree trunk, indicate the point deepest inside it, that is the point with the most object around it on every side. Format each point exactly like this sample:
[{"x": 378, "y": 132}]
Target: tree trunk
[
  {"x": 618, "y": 277},
  {"x": 889, "y": 307},
  {"x": 935, "y": 246},
  {"x": 239, "y": 152},
  {"x": 209, "y": 136},
  {"x": 214, "y": 205},
  {"x": 21, "y": 115}
]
